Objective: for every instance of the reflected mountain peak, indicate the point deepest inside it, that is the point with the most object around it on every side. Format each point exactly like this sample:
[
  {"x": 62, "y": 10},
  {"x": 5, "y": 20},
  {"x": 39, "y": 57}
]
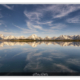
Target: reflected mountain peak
[{"x": 36, "y": 43}]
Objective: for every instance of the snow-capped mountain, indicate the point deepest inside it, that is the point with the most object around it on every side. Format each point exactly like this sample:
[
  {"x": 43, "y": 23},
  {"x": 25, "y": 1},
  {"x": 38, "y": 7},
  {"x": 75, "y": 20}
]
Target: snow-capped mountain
[
  {"x": 47, "y": 38},
  {"x": 35, "y": 37},
  {"x": 76, "y": 37},
  {"x": 10, "y": 37},
  {"x": 62, "y": 37},
  {"x": 21, "y": 37},
  {"x": 1, "y": 36},
  {"x": 67, "y": 37},
  {"x": 53, "y": 38}
]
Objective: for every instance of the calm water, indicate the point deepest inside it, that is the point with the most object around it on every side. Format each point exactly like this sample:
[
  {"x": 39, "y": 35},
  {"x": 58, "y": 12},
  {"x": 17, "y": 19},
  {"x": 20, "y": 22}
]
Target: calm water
[{"x": 39, "y": 57}]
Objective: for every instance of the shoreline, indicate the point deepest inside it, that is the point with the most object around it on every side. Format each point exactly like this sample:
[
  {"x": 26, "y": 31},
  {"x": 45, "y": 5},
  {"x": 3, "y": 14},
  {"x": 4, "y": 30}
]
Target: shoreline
[{"x": 24, "y": 40}]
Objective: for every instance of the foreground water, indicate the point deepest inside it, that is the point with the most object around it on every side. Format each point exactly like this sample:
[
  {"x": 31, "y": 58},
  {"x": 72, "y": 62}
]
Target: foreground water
[{"x": 39, "y": 57}]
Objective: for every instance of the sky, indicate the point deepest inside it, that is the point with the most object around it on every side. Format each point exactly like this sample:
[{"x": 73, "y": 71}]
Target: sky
[{"x": 40, "y": 19}]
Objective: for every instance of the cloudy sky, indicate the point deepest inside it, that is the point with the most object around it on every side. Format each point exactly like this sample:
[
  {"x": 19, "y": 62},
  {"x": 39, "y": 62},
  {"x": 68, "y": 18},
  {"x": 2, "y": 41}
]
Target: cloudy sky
[{"x": 43, "y": 20}]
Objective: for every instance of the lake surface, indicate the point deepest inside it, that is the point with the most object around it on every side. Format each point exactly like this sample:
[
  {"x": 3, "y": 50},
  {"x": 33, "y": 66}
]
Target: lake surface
[{"x": 43, "y": 57}]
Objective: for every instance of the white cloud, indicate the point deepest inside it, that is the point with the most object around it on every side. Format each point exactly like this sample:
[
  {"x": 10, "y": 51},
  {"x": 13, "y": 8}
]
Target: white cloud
[
  {"x": 58, "y": 26},
  {"x": 38, "y": 27},
  {"x": 29, "y": 25},
  {"x": 64, "y": 11},
  {"x": 32, "y": 15},
  {"x": 45, "y": 22},
  {"x": 24, "y": 30},
  {"x": 8, "y": 7},
  {"x": 73, "y": 20},
  {"x": 32, "y": 26},
  {"x": 60, "y": 10},
  {"x": 51, "y": 28}
]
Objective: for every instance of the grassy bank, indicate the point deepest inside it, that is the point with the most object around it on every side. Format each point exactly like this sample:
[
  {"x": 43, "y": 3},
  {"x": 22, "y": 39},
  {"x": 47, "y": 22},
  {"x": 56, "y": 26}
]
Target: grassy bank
[
  {"x": 25, "y": 40},
  {"x": 29, "y": 40}
]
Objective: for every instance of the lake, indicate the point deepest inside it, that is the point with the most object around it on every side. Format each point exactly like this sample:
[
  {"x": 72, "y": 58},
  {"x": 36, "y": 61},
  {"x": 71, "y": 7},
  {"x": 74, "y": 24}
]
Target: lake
[{"x": 39, "y": 58}]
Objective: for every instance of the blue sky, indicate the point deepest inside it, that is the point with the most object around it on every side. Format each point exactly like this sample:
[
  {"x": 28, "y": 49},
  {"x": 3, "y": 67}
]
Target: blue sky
[{"x": 41, "y": 19}]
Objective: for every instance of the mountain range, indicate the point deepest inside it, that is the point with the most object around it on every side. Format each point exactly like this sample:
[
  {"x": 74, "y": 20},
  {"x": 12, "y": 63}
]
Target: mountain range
[{"x": 35, "y": 37}]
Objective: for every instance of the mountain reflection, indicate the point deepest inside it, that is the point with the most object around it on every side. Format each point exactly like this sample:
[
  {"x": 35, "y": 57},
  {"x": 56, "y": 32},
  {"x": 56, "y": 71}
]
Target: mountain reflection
[
  {"x": 40, "y": 59},
  {"x": 36, "y": 43}
]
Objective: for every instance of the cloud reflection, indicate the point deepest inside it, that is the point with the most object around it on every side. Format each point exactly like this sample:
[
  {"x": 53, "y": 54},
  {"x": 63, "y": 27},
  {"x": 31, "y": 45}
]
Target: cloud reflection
[
  {"x": 40, "y": 59},
  {"x": 45, "y": 61}
]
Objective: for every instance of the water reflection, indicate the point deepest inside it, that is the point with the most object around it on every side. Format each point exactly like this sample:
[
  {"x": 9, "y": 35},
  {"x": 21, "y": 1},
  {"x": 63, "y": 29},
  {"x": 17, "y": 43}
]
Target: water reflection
[
  {"x": 35, "y": 44},
  {"x": 15, "y": 58}
]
